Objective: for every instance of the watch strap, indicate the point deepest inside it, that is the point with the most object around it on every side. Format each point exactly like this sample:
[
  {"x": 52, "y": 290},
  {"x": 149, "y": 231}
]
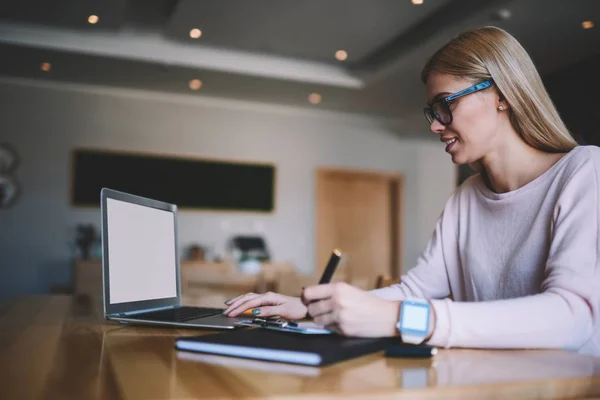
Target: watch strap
[{"x": 412, "y": 339}]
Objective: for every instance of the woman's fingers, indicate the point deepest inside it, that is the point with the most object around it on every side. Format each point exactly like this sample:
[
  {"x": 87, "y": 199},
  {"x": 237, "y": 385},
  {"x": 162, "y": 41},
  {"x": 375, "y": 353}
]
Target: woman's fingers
[
  {"x": 332, "y": 321},
  {"x": 251, "y": 302},
  {"x": 334, "y": 328},
  {"x": 324, "y": 313},
  {"x": 269, "y": 311},
  {"x": 320, "y": 307},
  {"x": 314, "y": 293},
  {"x": 230, "y": 301},
  {"x": 325, "y": 319},
  {"x": 321, "y": 292},
  {"x": 235, "y": 303}
]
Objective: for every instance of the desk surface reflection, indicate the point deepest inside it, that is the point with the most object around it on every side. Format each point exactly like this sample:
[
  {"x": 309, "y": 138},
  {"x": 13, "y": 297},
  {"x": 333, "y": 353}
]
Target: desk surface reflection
[{"x": 59, "y": 347}]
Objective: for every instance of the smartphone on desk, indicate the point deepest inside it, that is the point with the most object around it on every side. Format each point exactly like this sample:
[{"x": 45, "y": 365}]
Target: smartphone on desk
[{"x": 402, "y": 350}]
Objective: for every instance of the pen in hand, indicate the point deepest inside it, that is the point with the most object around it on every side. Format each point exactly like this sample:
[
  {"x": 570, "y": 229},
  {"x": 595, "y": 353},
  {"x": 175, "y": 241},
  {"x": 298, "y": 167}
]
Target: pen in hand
[
  {"x": 334, "y": 261},
  {"x": 330, "y": 268}
]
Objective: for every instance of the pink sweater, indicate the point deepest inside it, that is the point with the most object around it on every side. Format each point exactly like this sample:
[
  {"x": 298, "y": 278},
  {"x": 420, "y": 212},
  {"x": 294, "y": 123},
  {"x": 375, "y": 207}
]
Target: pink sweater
[{"x": 523, "y": 267}]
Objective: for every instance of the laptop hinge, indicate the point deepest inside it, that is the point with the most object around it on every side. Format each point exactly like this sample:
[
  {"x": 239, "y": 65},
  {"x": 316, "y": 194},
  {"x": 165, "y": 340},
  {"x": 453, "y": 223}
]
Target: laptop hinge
[
  {"x": 125, "y": 314},
  {"x": 117, "y": 315}
]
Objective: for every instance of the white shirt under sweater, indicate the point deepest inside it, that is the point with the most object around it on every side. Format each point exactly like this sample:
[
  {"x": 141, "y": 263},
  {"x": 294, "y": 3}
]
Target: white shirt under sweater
[{"x": 523, "y": 267}]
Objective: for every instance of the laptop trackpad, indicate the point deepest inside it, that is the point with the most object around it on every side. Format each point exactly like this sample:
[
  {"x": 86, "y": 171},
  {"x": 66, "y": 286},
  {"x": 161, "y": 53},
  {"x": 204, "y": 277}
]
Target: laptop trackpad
[{"x": 217, "y": 320}]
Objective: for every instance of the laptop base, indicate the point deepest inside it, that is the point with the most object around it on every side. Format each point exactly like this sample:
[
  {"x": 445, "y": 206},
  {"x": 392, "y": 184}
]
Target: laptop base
[{"x": 212, "y": 322}]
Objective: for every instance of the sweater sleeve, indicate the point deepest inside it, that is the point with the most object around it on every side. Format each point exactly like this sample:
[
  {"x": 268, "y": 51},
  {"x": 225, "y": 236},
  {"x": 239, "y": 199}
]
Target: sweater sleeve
[
  {"x": 429, "y": 278},
  {"x": 566, "y": 311}
]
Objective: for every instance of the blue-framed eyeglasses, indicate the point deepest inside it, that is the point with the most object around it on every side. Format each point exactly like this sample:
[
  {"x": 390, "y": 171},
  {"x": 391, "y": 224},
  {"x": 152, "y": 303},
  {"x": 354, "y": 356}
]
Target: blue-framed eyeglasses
[{"x": 440, "y": 109}]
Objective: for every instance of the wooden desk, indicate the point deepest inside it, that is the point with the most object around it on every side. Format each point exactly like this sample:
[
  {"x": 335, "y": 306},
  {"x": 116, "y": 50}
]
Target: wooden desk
[{"x": 59, "y": 348}]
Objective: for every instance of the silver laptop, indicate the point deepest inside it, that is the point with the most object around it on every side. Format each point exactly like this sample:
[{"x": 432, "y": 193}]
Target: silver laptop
[{"x": 140, "y": 265}]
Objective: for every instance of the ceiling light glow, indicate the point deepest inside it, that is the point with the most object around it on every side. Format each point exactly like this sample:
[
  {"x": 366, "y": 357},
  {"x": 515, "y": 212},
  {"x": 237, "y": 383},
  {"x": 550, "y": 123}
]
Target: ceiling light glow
[
  {"x": 504, "y": 14},
  {"x": 314, "y": 98},
  {"x": 45, "y": 66},
  {"x": 93, "y": 19},
  {"x": 587, "y": 24},
  {"x": 417, "y": 2},
  {"x": 341, "y": 55},
  {"x": 195, "y": 33},
  {"x": 195, "y": 84}
]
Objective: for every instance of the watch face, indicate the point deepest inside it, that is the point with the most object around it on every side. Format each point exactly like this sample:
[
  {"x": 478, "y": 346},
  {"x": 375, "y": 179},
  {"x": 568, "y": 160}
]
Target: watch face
[
  {"x": 8, "y": 158},
  {"x": 414, "y": 318}
]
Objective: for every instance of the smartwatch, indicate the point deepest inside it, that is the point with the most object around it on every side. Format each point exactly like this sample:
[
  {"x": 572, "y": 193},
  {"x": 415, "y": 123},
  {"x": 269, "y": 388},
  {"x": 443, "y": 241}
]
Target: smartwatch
[{"x": 413, "y": 321}]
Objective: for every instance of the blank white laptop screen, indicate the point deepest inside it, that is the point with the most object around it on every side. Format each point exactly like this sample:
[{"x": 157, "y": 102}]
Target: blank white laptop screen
[{"x": 141, "y": 252}]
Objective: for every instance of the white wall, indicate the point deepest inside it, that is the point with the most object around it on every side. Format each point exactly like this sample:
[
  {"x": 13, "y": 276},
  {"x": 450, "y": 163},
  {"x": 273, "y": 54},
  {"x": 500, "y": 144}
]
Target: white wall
[{"x": 46, "y": 121}]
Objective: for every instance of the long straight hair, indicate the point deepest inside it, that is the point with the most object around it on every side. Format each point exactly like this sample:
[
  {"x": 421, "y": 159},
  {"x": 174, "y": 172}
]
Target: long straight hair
[{"x": 491, "y": 52}]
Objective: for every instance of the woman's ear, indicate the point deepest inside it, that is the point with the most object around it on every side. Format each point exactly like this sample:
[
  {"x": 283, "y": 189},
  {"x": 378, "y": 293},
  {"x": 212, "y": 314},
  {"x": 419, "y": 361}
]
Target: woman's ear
[{"x": 502, "y": 104}]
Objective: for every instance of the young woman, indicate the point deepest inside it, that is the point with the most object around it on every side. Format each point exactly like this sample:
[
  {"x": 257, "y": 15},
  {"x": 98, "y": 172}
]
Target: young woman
[{"x": 514, "y": 259}]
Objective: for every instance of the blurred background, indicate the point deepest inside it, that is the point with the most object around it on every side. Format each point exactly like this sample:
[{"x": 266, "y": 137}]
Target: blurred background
[{"x": 282, "y": 129}]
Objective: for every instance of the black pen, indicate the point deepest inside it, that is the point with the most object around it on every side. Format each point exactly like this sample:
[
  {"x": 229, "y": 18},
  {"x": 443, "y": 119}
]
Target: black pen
[
  {"x": 334, "y": 261},
  {"x": 332, "y": 264}
]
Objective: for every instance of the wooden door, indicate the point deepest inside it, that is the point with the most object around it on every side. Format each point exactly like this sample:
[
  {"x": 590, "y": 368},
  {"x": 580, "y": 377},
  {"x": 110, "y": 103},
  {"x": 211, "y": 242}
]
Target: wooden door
[{"x": 359, "y": 212}]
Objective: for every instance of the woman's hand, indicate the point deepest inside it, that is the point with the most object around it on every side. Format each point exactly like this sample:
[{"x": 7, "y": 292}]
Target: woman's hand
[
  {"x": 266, "y": 305},
  {"x": 350, "y": 311}
]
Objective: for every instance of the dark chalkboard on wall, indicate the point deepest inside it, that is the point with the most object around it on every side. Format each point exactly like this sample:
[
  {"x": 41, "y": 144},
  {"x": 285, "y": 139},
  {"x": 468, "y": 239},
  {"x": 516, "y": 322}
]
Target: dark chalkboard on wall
[{"x": 188, "y": 182}]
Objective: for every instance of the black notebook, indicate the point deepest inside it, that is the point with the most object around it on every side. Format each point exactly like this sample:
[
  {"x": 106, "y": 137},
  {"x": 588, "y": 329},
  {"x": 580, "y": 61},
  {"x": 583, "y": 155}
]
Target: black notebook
[{"x": 263, "y": 344}]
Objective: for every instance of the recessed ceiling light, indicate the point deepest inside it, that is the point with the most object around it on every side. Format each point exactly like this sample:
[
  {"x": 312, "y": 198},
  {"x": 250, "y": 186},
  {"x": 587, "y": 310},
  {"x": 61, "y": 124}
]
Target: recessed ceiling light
[
  {"x": 93, "y": 19},
  {"x": 195, "y": 84},
  {"x": 45, "y": 66},
  {"x": 314, "y": 98},
  {"x": 341, "y": 55},
  {"x": 587, "y": 24},
  {"x": 195, "y": 33},
  {"x": 417, "y": 2},
  {"x": 503, "y": 14}
]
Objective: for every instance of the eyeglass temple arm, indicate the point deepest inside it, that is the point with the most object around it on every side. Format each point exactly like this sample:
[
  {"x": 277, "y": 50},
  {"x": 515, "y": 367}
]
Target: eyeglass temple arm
[{"x": 474, "y": 88}]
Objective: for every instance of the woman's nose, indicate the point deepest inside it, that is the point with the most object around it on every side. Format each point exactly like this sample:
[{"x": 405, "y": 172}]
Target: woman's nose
[{"x": 436, "y": 126}]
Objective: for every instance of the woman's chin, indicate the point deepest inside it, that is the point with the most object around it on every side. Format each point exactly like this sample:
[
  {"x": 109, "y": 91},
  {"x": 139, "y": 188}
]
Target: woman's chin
[{"x": 458, "y": 160}]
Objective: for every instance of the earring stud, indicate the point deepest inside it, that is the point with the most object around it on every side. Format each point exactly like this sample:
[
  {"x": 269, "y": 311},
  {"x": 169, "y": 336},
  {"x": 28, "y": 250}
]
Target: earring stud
[{"x": 501, "y": 108}]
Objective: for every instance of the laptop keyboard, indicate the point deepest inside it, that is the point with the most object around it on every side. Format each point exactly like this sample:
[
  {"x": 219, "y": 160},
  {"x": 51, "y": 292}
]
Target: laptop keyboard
[{"x": 180, "y": 314}]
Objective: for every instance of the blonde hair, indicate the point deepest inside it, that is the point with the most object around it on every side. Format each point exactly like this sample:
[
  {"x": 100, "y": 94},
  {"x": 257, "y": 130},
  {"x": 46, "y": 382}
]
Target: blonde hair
[{"x": 491, "y": 52}]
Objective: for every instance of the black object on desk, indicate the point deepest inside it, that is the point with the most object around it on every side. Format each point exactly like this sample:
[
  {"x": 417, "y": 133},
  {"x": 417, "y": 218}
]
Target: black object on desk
[
  {"x": 262, "y": 344},
  {"x": 410, "y": 351},
  {"x": 251, "y": 247}
]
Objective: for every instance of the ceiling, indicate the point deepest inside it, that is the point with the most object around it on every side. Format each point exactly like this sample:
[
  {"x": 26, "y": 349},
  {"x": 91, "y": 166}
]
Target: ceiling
[{"x": 279, "y": 51}]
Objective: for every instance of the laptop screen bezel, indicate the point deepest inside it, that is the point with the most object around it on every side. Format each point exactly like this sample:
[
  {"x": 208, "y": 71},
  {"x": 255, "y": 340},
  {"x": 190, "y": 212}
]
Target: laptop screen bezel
[{"x": 121, "y": 308}]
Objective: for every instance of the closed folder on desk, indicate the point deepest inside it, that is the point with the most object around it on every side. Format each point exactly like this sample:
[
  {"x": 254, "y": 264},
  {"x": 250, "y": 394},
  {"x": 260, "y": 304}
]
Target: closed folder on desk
[{"x": 292, "y": 348}]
